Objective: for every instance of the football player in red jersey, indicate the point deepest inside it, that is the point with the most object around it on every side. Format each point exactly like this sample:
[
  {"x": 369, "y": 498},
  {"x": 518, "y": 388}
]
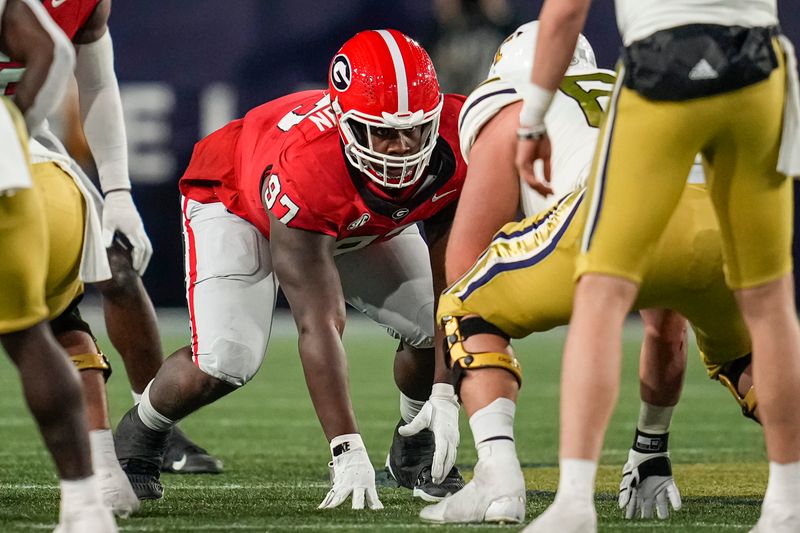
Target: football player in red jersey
[
  {"x": 122, "y": 243},
  {"x": 322, "y": 192},
  {"x": 36, "y": 284}
]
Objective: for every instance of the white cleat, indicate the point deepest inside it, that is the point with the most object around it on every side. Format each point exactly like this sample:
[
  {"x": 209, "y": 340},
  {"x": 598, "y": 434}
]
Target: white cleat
[
  {"x": 776, "y": 518},
  {"x": 117, "y": 492},
  {"x": 565, "y": 517},
  {"x": 88, "y": 519},
  {"x": 495, "y": 494}
]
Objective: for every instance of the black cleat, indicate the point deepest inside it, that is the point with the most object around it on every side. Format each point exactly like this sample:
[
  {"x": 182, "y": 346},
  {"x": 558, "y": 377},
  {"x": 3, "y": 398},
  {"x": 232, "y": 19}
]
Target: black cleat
[
  {"x": 139, "y": 451},
  {"x": 185, "y": 457},
  {"x": 409, "y": 463}
]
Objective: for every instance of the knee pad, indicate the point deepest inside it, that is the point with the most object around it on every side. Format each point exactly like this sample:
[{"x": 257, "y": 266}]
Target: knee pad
[
  {"x": 459, "y": 360},
  {"x": 729, "y": 376},
  {"x": 231, "y": 361},
  {"x": 92, "y": 361}
]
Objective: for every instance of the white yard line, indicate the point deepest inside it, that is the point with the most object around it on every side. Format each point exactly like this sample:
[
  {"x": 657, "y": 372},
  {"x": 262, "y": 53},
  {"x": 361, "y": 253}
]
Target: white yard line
[{"x": 372, "y": 527}]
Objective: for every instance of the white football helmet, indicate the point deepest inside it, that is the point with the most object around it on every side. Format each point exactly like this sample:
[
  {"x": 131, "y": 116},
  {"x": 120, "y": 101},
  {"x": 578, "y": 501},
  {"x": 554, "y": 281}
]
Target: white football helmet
[{"x": 514, "y": 58}]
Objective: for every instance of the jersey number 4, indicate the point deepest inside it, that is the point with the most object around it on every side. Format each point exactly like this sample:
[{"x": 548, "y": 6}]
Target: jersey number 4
[
  {"x": 271, "y": 192},
  {"x": 587, "y": 90}
]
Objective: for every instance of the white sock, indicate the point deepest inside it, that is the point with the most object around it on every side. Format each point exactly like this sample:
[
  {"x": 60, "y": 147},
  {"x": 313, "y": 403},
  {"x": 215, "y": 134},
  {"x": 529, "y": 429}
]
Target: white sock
[
  {"x": 137, "y": 397},
  {"x": 152, "y": 418},
  {"x": 576, "y": 480},
  {"x": 495, "y": 422},
  {"x": 784, "y": 482},
  {"x": 77, "y": 493},
  {"x": 409, "y": 408},
  {"x": 101, "y": 442},
  {"x": 654, "y": 419}
]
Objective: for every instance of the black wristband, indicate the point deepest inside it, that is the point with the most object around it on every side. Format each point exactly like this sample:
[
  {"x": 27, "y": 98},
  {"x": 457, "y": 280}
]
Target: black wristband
[{"x": 650, "y": 443}]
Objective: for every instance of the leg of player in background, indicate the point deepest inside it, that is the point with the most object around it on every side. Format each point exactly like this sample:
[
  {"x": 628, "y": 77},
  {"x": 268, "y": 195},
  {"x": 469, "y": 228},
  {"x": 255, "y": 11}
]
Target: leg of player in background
[
  {"x": 179, "y": 389},
  {"x": 58, "y": 408},
  {"x": 496, "y": 492},
  {"x": 662, "y": 365},
  {"x": 117, "y": 491},
  {"x": 125, "y": 302},
  {"x": 410, "y": 458},
  {"x": 231, "y": 318}
]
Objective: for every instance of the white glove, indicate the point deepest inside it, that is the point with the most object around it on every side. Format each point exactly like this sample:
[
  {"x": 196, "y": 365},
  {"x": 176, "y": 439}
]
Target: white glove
[
  {"x": 352, "y": 472},
  {"x": 120, "y": 214},
  {"x": 440, "y": 415},
  {"x": 647, "y": 483}
]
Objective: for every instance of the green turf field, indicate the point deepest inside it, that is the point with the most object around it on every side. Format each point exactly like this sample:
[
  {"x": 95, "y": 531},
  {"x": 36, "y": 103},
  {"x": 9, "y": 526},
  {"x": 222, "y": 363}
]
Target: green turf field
[{"x": 275, "y": 453}]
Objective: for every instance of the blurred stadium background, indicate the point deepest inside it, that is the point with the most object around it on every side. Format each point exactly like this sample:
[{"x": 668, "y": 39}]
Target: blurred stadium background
[{"x": 188, "y": 67}]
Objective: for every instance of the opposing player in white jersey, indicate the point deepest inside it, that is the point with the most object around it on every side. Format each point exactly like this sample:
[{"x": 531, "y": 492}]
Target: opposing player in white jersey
[{"x": 697, "y": 76}]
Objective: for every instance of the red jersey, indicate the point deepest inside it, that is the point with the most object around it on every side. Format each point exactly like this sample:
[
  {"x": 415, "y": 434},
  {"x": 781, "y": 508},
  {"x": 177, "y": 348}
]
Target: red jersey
[
  {"x": 70, "y": 15},
  {"x": 285, "y": 156}
]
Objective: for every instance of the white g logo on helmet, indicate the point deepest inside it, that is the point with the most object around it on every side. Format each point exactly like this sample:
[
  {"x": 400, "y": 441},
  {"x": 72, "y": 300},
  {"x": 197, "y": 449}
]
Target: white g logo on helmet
[{"x": 341, "y": 73}]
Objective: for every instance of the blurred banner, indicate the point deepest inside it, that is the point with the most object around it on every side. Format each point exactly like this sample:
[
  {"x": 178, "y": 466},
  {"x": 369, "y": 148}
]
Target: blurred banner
[{"x": 188, "y": 67}]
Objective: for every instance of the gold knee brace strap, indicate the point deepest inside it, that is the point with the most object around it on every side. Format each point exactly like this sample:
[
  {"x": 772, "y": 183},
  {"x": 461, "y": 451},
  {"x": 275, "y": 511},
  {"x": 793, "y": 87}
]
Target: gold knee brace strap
[
  {"x": 464, "y": 360},
  {"x": 92, "y": 361},
  {"x": 747, "y": 402}
]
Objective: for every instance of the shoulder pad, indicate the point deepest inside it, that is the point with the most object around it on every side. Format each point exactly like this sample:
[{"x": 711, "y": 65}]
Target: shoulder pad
[{"x": 483, "y": 103}]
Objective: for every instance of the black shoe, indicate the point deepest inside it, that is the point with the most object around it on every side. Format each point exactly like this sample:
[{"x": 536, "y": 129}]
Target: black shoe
[
  {"x": 139, "y": 451},
  {"x": 409, "y": 463},
  {"x": 185, "y": 457}
]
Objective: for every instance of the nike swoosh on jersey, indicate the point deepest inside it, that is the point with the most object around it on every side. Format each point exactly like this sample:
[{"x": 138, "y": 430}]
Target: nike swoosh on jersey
[
  {"x": 437, "y": 197},
  {"x": 56, "y": 3}
]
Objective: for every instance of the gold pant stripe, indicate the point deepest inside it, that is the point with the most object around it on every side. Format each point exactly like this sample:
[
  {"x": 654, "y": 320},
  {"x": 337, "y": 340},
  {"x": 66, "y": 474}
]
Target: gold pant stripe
[{"x": 520, "y": 245}]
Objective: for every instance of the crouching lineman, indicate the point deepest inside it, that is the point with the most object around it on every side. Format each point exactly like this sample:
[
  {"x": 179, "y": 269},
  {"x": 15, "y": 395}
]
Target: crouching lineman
[
  {"x": 523, "y": 282},
  {"x": 42, "y": 232},
  {"x": 322, "y": 191}
]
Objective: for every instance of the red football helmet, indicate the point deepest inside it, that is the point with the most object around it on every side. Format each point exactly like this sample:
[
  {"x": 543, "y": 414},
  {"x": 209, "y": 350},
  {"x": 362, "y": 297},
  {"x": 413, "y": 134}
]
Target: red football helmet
[{"x": 384, "y": 79}]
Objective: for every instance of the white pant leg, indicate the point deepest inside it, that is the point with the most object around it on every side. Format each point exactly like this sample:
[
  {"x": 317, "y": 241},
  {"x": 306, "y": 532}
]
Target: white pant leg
[
  {"x": 230, "y": 290},
  {"x": 391, "y": 283}
]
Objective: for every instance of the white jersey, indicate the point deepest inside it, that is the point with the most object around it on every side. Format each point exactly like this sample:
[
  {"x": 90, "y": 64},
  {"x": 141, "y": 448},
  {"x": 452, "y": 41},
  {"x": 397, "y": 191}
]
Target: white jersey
[
  {"x": 638, "y": 19},
  {"x": 572, "y": 123}
]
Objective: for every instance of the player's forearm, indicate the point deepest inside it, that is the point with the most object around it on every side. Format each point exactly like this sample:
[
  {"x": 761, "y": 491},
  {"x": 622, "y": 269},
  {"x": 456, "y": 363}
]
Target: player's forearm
[
  {"x": 325, "y": 368},
  {"x": 662, "y": 362},
  {"x": 101, "y": 111},
  {"x": 560, "y": 22}
]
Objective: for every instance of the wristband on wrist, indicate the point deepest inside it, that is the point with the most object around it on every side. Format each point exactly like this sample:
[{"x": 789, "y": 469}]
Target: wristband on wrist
[
  {"x": 444, "y": 390},
  {"x": 650, "y": 443},
  {"x": 535, "y": 103},
  {"x": 345, "y": 443}
]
